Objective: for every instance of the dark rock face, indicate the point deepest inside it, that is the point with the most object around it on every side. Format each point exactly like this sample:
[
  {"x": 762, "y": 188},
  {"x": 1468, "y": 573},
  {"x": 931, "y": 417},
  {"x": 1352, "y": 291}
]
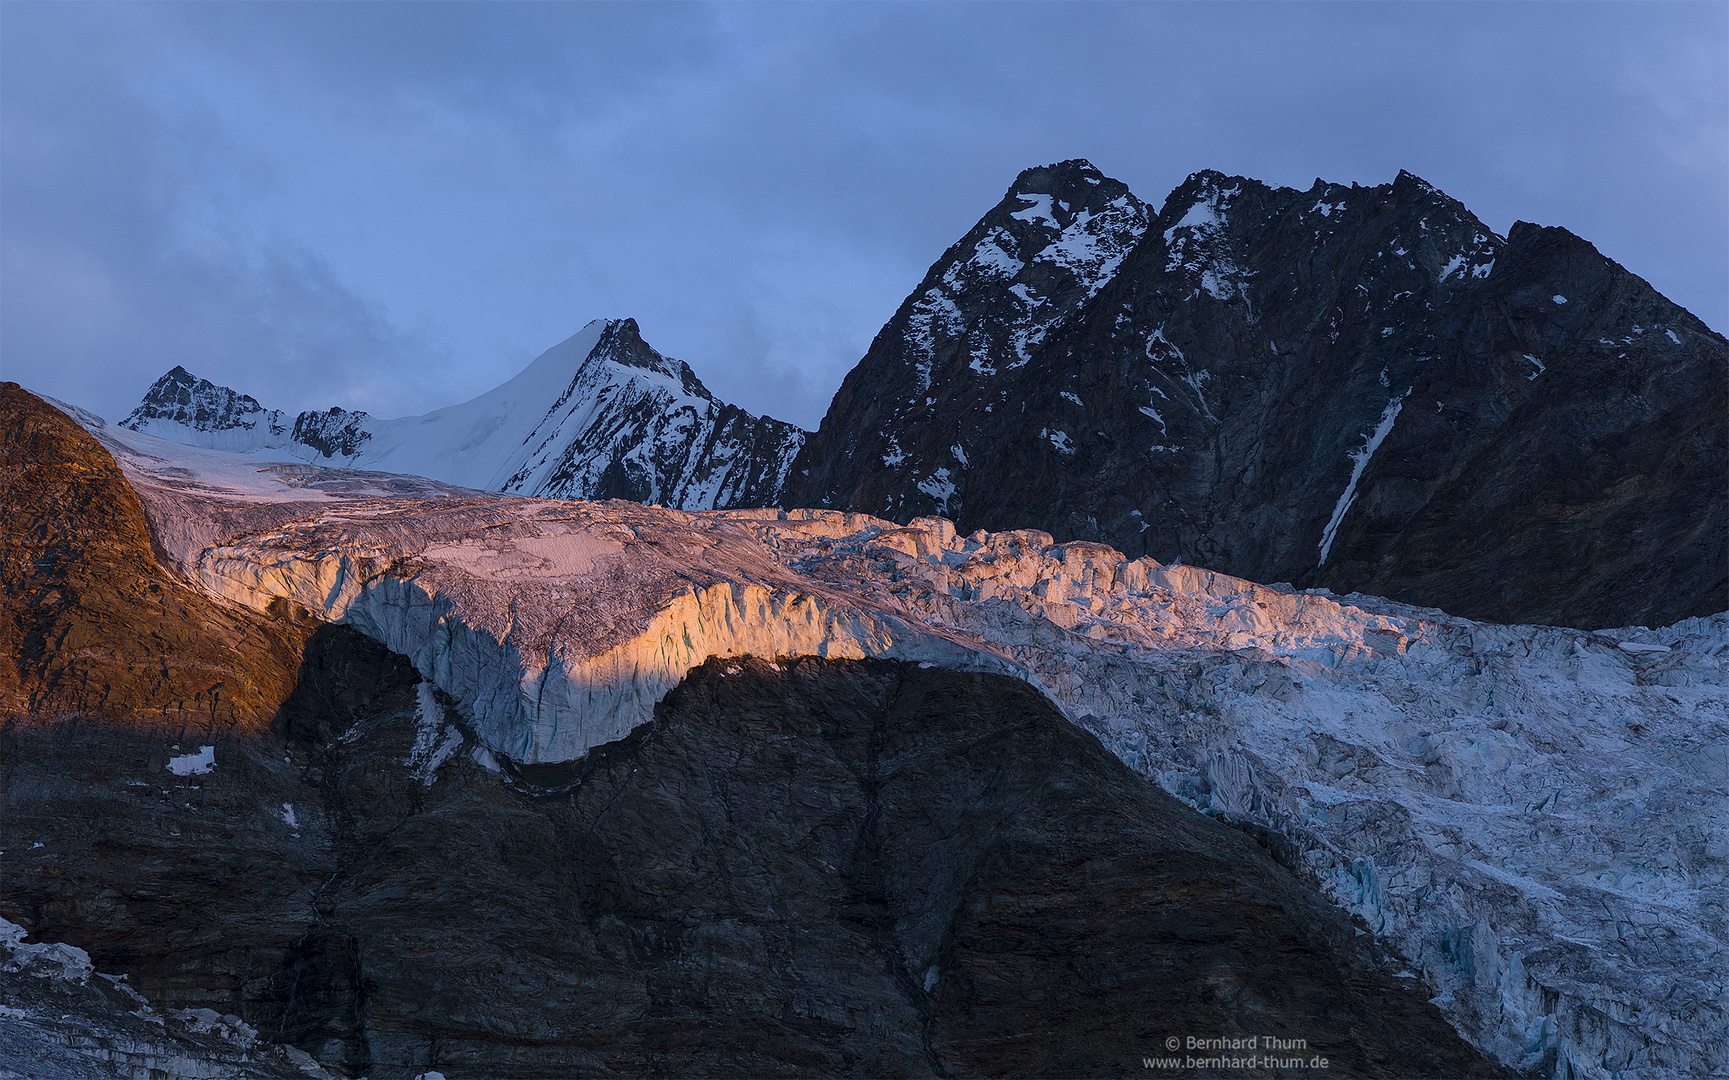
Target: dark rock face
[
  {"x": 333, "y": 433},
  {"x": 821, "y": 867},
  {"x": 890, "y": 445},
  {"x": 1358, "y": 388},
  {"x": 90, "y": 623},
  {"x": 183, "y": 398}
]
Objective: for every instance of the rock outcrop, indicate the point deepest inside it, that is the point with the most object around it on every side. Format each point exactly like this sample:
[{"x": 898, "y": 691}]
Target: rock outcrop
[
  {"x": 1365, "y": 389},
  {"x": 60, "y": 1019},
  {"x": 91, "y": 623}
]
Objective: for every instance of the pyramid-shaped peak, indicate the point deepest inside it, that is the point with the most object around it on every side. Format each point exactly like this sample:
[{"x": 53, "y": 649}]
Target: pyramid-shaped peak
[
  {"x": 1408, "y": 186},
  {"x": 621, "y": 343},
  {"x": 177, "y": 383},
  {"x": 175, "y": 379},
  {"x": 1411, "y": 179}
]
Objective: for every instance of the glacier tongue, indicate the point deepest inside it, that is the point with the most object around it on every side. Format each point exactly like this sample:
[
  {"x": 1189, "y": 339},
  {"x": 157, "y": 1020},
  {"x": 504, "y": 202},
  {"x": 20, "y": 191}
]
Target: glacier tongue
[{"x": 1536, "y": 817}]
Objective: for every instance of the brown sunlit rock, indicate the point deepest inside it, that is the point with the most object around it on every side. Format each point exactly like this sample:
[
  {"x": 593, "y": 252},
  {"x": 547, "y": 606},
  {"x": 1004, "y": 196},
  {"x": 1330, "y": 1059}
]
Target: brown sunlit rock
[{"x": 91, "y": 623}]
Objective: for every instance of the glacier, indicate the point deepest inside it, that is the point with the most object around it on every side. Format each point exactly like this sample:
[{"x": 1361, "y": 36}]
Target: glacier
[{"x": 1535, "y": 817}]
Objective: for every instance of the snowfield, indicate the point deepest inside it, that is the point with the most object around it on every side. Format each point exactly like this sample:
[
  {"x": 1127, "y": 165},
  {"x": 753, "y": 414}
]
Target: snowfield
[{"x": 1536, "y": 817}]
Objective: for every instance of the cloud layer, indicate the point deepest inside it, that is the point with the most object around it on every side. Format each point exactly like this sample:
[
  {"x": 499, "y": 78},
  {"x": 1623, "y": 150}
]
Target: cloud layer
[{"x": 393, "y": 207}]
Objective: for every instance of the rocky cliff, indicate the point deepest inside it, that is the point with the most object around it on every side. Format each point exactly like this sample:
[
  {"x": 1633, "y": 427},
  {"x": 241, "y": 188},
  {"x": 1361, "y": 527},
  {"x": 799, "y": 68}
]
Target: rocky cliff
[
  {"x": 1363, "y": 388},
  {"x": 91, "y": 623}
]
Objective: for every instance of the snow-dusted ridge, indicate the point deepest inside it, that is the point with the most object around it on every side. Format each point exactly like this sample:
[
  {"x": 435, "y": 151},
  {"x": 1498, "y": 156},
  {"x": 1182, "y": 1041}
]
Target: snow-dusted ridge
[
  {"x": 1537, "y": 817},
  {"x": 601, "y": 414}
]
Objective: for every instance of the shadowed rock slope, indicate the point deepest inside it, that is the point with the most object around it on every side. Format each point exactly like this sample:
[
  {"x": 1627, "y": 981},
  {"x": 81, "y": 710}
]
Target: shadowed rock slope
[
  {"x": 1361, "y": 388},
  {"x": 813, "y": 868},
  {"x": 62, "y": 1020},
  {"x": 91, "y": 623}
]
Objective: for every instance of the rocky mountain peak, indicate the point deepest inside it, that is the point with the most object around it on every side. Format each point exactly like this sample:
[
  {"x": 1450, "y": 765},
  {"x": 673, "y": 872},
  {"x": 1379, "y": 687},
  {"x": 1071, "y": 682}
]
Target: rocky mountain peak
[
  {"x": 180, "y": 397},
  {"x": 982, "y": 312},
  {"x": 1046, "y": 179},
  {"x": 1072, "y": 184},
  {"x": 1238, "y": 385},
  {"x": 1073, "y": 187},
  {"x": 621, "y": 343},
  {"x": 1410, "y": 182}
]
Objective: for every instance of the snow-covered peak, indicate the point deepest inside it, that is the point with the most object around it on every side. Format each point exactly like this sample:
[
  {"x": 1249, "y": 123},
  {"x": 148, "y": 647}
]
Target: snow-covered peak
[
  {"x": 621, "y": 344},
  {"x": 601, "y": 414},
  {"x": 185, "y": 408},
  {"x": 639, "y": 425}
]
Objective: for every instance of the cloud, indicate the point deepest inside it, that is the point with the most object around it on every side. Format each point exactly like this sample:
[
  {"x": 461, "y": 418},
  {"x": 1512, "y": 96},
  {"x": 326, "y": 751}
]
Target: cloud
[
  {"x": 125, "y": 253},
  {"x": 395, "y": 207}
]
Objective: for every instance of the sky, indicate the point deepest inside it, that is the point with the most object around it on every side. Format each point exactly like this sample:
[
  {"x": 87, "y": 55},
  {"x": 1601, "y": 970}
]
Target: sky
[{"x": 394, "y": 207}]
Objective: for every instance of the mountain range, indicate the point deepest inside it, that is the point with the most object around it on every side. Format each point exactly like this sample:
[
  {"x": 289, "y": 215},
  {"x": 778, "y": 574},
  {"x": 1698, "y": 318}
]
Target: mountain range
[
  {"x": 1221, "y": 626},
  {"x": 600, "y": 415},
  {"x": 1359, "y": 388}
]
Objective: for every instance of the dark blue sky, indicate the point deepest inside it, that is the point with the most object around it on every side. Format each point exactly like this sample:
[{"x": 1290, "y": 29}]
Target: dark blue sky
[{"x": 393, "y": 206}]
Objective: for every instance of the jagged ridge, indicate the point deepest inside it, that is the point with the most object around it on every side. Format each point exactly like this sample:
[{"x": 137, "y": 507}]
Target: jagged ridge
[
  {"x": 601, "y": 415},
  {"x": 1364, "y": 388}
]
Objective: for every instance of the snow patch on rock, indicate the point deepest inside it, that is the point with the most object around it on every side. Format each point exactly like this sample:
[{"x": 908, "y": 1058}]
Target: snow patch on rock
[
  {"x": 196, "y": 764},
  {"x": 1359, "y": 461}
]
